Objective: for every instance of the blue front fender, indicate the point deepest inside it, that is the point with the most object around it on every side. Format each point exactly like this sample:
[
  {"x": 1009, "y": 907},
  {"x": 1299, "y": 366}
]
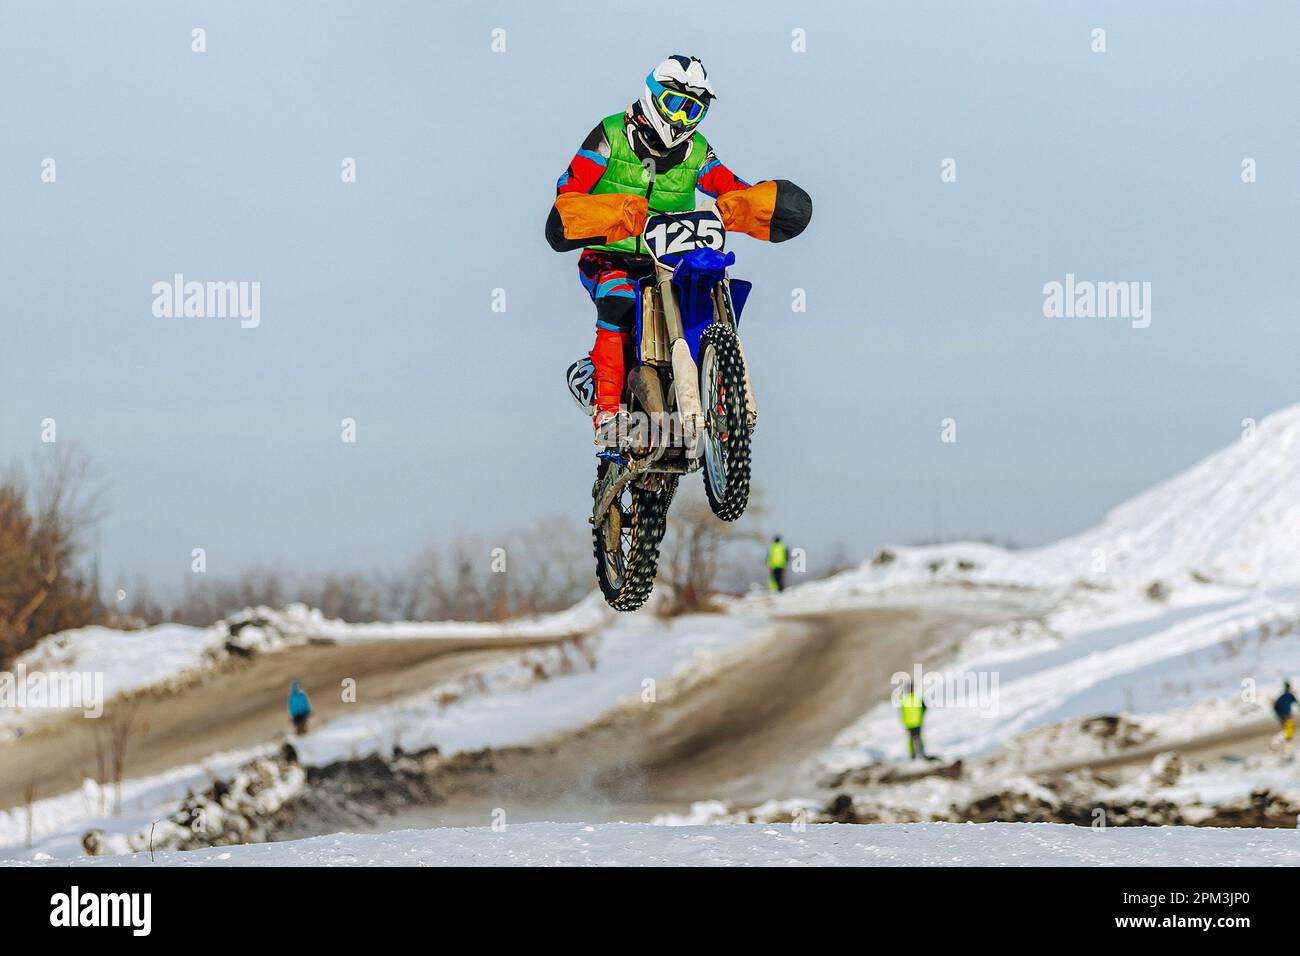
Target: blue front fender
[{"x": 695, "y": 275}]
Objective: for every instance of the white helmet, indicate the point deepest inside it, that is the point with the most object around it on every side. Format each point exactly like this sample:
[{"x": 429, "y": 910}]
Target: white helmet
[{"x": 676, "y": 97}]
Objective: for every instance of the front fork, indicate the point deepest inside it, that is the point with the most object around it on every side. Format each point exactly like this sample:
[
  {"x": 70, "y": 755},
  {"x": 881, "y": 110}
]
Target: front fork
[{"x": 686, "y": 377}]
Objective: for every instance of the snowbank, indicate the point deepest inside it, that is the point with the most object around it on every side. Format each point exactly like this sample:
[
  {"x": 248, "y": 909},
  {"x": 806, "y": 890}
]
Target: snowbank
[
  {"x": 59, "y": 822},
  {"x": 298, "y": 624},
  {"x": 126, "y": 660},
  {"x": 503, "y": 705},
  {"x": 169, "y": 655},
  {"x": 623, "y": 844},
  {"x": 515, "y": 710},
  {"x": 1187, "y": 662}
]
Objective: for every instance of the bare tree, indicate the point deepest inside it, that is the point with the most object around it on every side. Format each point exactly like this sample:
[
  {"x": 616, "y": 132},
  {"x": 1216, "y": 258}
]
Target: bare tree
[
  {"x": 698, "y": 548},
  {"x": 29, "y": 802},
  {"x": 112, "y": 737},
  {"x": 43, "y": 533},
  {"x": 544, "y": 566},
  {"x": 481, "y": 577},
  {"x": 139, "y": 607}
]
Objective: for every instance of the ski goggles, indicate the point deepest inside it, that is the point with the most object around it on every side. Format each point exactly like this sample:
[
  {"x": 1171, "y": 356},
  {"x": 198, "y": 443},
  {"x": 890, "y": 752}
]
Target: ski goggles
[{"x": 677, "y": 107}]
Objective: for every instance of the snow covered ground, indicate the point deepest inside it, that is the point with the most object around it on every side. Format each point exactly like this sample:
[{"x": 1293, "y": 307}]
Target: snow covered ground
[
  {"x": 507, "y": 708},
  {"x": 301, "y": 623},
  {"x": 60, "y": 821},
  {"x": 171, "y": 654},
  {"x": 625, "y": 844},
  {"x": 1181, "y": 671},
  {"x": 629, "y": 652},
  {"x": 1180, "y": 611},
  {"x": 121, "y": 661}
]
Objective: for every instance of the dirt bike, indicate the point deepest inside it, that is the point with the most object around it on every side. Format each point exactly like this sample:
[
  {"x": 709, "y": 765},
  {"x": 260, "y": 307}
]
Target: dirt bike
[{"x": 689, "y": 401}]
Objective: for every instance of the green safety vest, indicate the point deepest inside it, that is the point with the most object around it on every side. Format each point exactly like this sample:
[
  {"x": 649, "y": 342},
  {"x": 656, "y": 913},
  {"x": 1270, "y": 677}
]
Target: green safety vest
[
  {"x": 912, "y": 710},
  {"x": 674, "y": 190},
  {"x": 776, "y": 555}
]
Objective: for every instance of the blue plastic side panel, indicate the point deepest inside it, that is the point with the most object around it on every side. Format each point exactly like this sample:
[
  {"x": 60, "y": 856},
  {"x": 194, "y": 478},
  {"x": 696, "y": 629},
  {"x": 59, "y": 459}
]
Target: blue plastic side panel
[
  {"x": 739, "y": 295},
  {"x": 695, "y": 319}
]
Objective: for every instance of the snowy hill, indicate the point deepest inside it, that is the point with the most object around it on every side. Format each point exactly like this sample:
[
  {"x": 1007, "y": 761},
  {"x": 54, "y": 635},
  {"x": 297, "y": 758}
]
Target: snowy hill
[
  {"x": 1233, "y": 517},
  {"x": 1223, "y": 540},
  {"x": 625, "y": 844}
]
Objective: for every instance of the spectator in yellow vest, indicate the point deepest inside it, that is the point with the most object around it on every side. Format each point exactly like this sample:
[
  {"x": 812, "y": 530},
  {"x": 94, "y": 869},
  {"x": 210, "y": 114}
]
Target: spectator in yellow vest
[
  {"x": 776, "y": 561},
  {"x": 912, "y": 711}
]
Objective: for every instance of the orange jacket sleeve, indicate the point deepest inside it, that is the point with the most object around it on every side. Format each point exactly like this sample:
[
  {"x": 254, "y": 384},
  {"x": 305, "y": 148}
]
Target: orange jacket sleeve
[
  {"x": 608, "y": 216},
  {"x": 749, "y": 210},
  {"x": 582, "y": 220},
  {"x": 775, "y": 210}
]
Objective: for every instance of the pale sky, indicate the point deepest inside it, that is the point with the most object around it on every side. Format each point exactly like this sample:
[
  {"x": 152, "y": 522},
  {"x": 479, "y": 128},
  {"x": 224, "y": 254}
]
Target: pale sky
[{"x": 924, "y": 298}]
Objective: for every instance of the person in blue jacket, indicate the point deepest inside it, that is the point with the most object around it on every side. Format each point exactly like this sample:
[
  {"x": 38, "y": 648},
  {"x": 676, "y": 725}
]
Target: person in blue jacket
[{"x": 299, "y": 707}]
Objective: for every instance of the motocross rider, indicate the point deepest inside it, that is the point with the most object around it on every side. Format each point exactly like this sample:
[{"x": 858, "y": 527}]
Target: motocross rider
[{"x": 650, "y": 155}]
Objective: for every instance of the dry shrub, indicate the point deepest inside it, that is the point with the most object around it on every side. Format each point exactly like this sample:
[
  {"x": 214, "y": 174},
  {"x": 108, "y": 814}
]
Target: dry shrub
[{"x": 43, "y": 534}]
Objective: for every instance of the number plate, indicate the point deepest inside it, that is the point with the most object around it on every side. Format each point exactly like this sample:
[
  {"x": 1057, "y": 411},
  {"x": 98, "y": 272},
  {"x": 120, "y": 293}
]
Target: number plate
[{"x": 674, "y": 234}]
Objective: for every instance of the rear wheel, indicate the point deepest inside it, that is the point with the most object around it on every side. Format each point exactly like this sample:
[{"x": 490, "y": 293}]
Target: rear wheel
[
  {"x": 626, "y": 538},
  {"x": 726, "y": 422}
]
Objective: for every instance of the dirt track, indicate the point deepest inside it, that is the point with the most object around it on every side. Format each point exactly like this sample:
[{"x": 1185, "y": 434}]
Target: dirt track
[
  {"x": 747, "y": 733},
  {"x": 239, "y": 708},
  {"x": 756, "y": 734}
]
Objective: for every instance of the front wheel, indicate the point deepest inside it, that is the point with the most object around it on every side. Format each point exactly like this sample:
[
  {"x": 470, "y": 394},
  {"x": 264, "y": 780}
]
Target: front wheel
[
  {"x": 627, "y": 536},
  {"x": 726, "y": 422}
]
